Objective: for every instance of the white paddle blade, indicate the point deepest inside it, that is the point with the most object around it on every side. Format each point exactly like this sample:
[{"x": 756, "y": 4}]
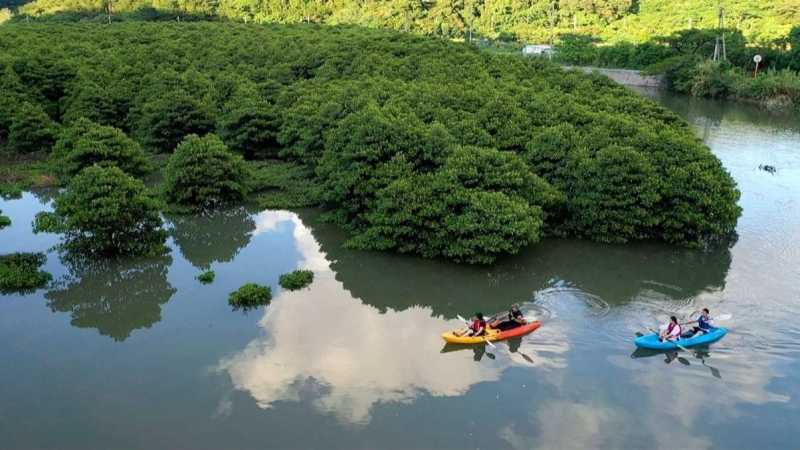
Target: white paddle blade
[
  {"x": 458, "y": 316},
  {"x": 724, "y": 317},
  {"x": 490, "y": 343}
]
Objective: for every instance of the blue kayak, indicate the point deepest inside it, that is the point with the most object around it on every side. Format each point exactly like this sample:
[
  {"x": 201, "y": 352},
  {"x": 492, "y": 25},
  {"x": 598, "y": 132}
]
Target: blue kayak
[{"x": 652, "y": 342}]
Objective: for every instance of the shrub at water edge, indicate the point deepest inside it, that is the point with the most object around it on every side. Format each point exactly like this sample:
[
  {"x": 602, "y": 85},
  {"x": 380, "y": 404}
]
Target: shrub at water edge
[
  {"x": 106, "y": 211},
  {"x": 204, "y": 173}
]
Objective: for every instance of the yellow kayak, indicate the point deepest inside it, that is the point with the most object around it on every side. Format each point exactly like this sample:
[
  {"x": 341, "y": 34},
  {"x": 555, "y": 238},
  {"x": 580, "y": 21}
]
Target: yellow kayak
[{"x": 492, "y": 334}]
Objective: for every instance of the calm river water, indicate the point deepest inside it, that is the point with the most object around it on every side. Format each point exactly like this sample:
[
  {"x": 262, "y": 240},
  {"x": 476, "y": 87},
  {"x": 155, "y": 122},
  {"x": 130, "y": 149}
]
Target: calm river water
[{"x": 140, "y": 355}]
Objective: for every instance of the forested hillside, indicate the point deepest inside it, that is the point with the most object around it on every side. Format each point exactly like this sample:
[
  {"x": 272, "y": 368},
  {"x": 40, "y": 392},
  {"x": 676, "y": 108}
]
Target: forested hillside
[
  {"x": 530, "y": 20},
  {"x": 412, "y": 144}
]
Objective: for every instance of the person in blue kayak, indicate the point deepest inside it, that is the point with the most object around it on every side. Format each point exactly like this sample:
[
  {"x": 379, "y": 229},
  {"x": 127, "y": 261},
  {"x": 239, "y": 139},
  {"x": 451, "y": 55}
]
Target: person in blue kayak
[
  {"x": 514, "y": 319},
  {"x": 672, "y": 332},
  {"x": 703, "y": 323},
  {"x": 476, "y": 328}
]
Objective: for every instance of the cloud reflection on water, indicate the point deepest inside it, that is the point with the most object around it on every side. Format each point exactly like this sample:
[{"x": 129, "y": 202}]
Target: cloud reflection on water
[{"x": 358, "y": 355}]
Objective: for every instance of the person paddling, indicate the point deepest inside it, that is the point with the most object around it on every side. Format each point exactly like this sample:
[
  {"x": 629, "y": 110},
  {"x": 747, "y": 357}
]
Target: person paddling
[
  {"x": 514, "y": 319},
  {"x": 703, "y": 323},
  {"x": 476, "y": 328},
  {"x": 672, "y": 331}
]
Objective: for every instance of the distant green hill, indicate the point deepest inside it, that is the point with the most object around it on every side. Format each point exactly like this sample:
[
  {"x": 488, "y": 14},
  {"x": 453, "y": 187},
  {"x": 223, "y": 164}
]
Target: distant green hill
[{"x": 531, "y": 20}]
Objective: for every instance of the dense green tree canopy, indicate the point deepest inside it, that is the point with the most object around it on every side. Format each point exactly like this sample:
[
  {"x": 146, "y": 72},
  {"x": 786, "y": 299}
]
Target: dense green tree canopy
[
  {"x": 84, "y": 143},
  {"x": 413, "y": 144},
  {"x": 204, "y": 173},
  {"x": 108, "y": 212},
  {"x": 31, "y": 130}
]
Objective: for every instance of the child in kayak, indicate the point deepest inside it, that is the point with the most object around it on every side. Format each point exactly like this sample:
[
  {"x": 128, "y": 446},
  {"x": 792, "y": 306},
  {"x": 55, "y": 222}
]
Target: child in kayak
[
  {"x": 703, "y": 323},
  {"x": 476, "y": 328},
  {"x": 672, "y": 332},
  {"x": 513, "y": 320}
]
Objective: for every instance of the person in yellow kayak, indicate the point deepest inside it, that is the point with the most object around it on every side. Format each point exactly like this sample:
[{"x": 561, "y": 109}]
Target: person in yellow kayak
[
  {"x": 514, "y": 319},
  {"x": 476, "y": 328}
]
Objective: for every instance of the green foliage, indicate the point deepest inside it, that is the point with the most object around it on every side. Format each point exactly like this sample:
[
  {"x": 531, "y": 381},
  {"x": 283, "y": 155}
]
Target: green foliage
[
  {"x": 84, "y": 143},
  {"x": 207, "y": 277},
  {"x": 164, "y": 121},
  {"x": 19, "y": 272},
  {"x": 772, "y": 87},
  {"x": 18, "y": 174},
  {"x": 295, "y": 280},
  {"x": 284, "y": 185},
  {"x": 534, "y": 20},
  {"x": 683, "y": 57},
  {"x": 413, "y": 144},
  {"x": 89, "y": 100},
  {"x": 468, "y": 216},
  {"x": 204, "y": 173},
  {"x": 250, "y": 295},
  {"x": 615, "y": 192},
  {"x": 31, "y": 130},
  {"x": 108, "y": 212},
  {"x": 4, "y": 220},
  {"x": 250, "y": 127}
]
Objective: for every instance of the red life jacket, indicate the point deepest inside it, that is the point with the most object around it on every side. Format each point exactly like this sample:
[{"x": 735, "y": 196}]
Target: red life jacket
[{"x": 478, "y": 324}]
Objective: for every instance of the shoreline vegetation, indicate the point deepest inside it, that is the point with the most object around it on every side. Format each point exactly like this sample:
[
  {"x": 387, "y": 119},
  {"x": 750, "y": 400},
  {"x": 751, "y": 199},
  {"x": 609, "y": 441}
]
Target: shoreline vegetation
[
  {"x": 669, "y": 37},
  {"x": 684, "y": 58},
  {"x": 411, "y": 144}
]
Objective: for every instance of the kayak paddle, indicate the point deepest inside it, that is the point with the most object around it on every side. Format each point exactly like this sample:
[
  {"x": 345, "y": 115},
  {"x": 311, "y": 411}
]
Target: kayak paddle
[
  {"x": 485, "y": 339},
  {"x": 674, "y": 342}
]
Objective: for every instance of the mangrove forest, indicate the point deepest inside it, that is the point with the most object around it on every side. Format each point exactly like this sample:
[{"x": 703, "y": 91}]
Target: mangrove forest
[{"x": 411, "y": 144}]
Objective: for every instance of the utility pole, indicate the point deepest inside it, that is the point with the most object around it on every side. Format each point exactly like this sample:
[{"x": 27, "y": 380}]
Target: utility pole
[
  {"x": 722, "y": 31},
  {"x": 719, "y": 47}
]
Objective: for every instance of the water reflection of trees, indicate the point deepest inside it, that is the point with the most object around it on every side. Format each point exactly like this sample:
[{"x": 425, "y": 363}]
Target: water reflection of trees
[
  {"x": 215, "y": 236},
  {"x": 113, "y": 296},
  {"x": 711, "y": 113},
  {"x": 615, "y": 273}
]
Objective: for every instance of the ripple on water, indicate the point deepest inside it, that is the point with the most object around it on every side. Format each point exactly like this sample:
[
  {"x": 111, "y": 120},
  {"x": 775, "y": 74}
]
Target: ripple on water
[{"x": 567, "y": 299}]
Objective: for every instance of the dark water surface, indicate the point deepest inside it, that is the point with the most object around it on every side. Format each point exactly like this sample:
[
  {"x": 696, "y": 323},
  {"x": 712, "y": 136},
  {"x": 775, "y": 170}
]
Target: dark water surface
[{"x": 140, "y": 355}]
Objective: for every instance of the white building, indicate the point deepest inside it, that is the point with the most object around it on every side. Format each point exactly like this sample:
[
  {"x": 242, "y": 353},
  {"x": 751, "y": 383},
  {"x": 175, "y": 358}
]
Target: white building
[{"x": 537, "y": 50}]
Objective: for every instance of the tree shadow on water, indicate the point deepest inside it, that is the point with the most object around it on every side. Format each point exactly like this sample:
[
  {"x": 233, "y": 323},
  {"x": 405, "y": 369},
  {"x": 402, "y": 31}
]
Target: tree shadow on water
[
  {"x": 115, "y": 297},
  {"x": 213, "y": 236},
  {"x": 614, "y": 273}
]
